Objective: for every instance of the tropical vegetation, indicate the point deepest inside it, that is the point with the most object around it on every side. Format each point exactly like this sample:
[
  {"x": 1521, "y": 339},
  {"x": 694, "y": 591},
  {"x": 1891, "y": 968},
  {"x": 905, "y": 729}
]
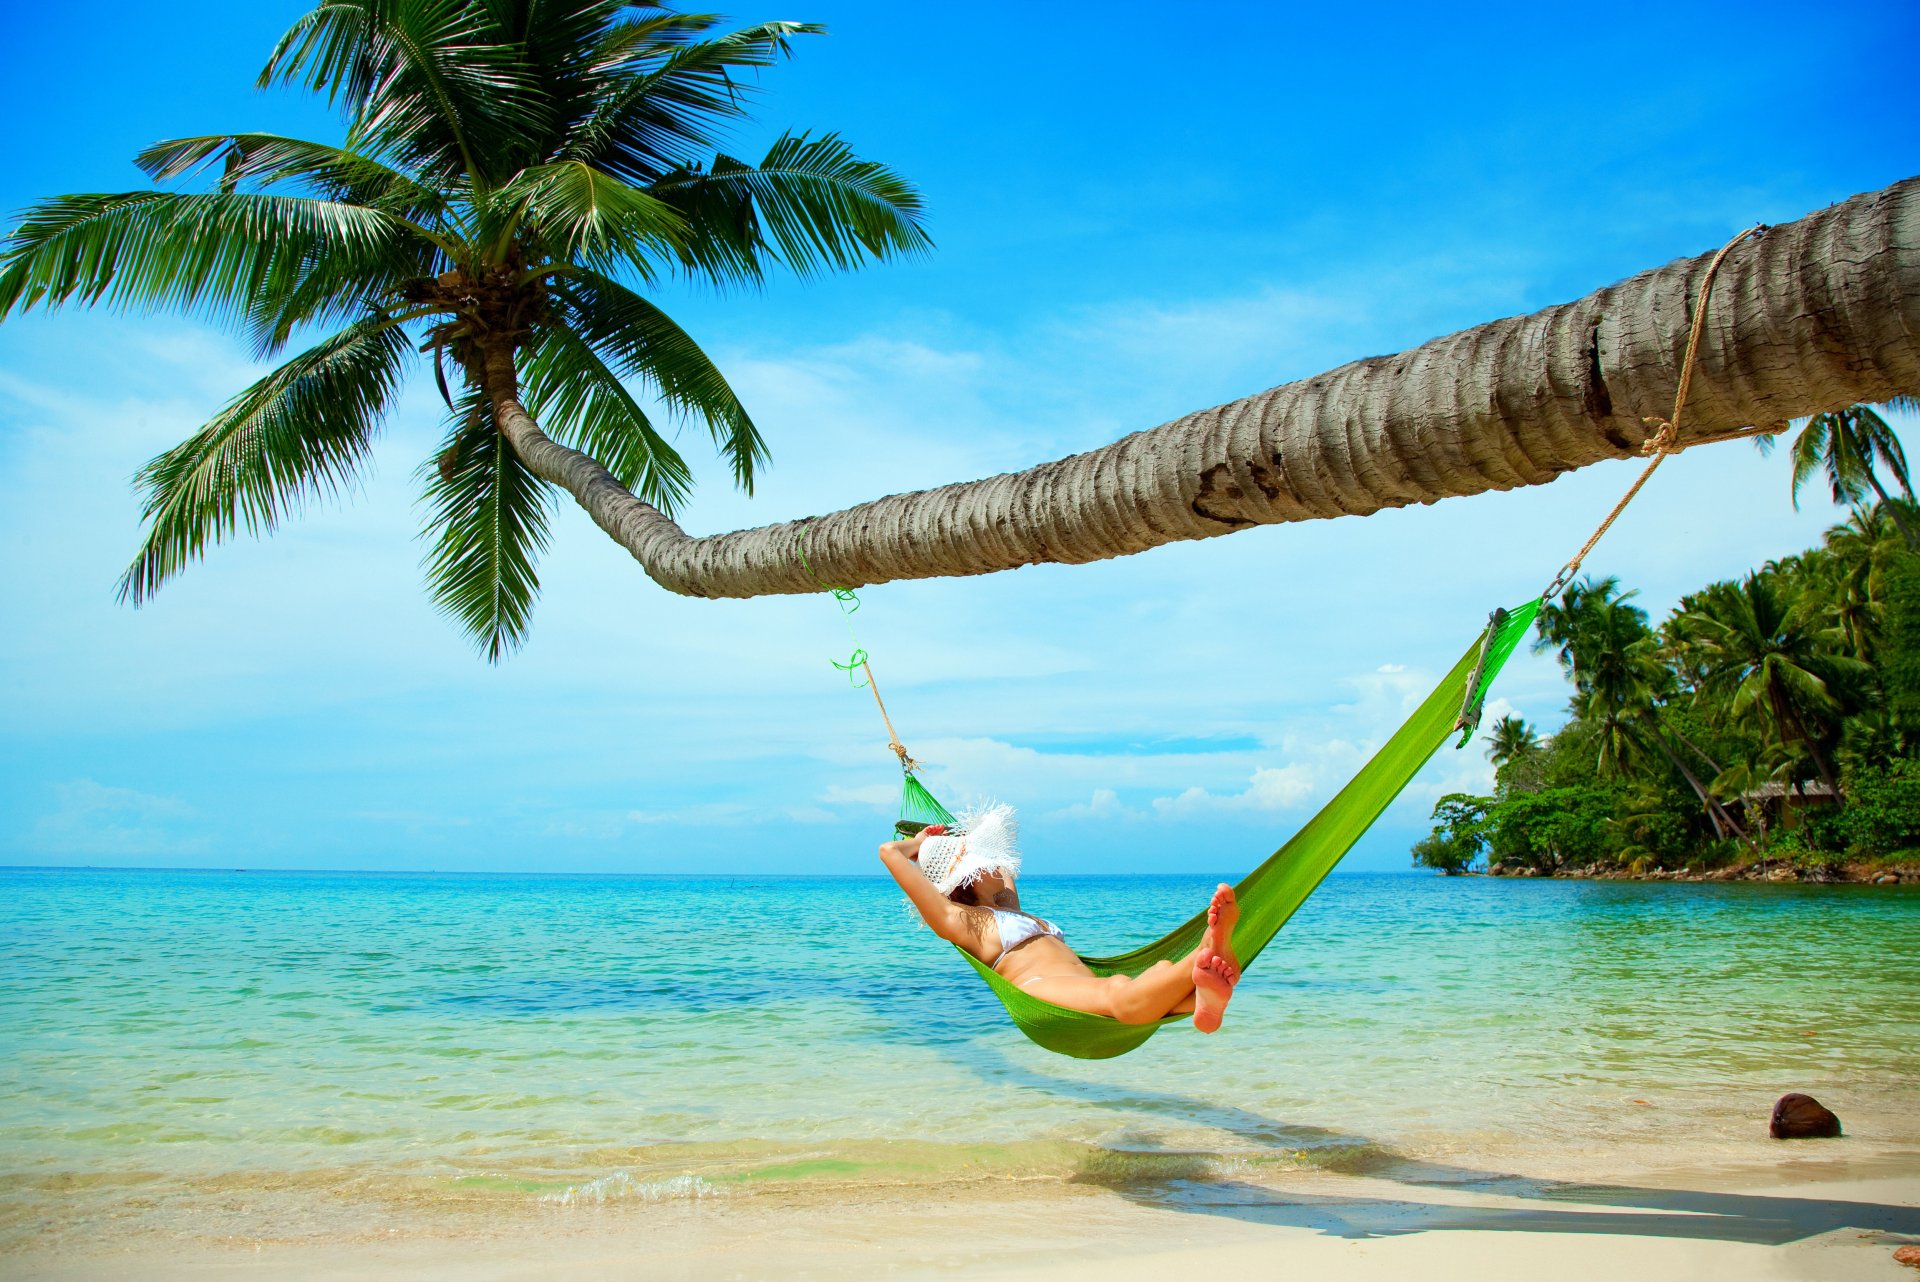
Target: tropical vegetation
[
  {"x": 516, "y": 179},
  {"x": 1771, "y": 718}
]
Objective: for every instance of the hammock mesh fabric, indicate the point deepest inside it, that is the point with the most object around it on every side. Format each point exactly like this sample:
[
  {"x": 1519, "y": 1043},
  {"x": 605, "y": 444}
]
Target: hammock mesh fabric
[
  {"x": 1271, "y": 893},
  {"x": 918, "y": 808}
]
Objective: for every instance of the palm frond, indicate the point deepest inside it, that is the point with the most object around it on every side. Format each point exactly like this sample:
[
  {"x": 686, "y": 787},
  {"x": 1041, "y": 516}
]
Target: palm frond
[
  {"x": 580, "y": 402},
  {"x": 329, "y": 172},
  {"x": 572, "y": 211},
  {"x": 663, "y": 93},
  {"x": 1809, "y": 451},
  {"x": 336, "y": 289},
  {"x": 559, "y": 49},
  {"x": 488, "y": 519},
  {"x": 640, "y": 28},
  {"x": 1879, "y": 445},
  {"x": 811, "y": 204},
  {"x": 220, "y": 250},
  {"x": 429, "y": 83},
  {"x": 647, "y": 346},
  {"x": 302, "y": 432}
]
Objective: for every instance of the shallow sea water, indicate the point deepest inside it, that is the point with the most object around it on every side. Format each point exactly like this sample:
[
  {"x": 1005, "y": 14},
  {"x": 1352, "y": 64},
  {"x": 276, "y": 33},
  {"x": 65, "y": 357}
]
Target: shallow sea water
[{"x": 592, "y": 1039}]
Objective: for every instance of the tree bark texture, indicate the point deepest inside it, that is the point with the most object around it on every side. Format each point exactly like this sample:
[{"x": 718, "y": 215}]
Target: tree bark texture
[{"x": 1815, "y": 315}]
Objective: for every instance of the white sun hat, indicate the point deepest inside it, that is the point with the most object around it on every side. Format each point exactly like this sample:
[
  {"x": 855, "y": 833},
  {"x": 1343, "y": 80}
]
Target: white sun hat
[{"x": 984, "y": 844}]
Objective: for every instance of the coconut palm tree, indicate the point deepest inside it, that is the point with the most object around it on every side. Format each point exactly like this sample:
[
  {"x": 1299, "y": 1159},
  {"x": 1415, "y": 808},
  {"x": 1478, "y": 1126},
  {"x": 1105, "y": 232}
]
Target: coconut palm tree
[
  {"x": 1850, "y": 446},
  {"x": 1781, "y": 672},
  {"x": 515, "y": 177},
  {"x": 1817, "y": 314},
  {"x": 1621, "y": 680},
  {"x": 1511, "y": 739},
  {"x": 1514, "y": 748},
  {"x": 1851, "y": 582},
  {"x": 1611, "y": 656},
  {"x": 1820, "y": 305}
]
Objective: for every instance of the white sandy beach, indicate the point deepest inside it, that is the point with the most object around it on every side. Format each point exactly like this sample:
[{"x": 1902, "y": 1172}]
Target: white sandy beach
[{"x": 1799, "y": 1216}]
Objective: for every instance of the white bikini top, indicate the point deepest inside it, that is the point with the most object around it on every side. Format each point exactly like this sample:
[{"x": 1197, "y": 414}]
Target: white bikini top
[{"x": 1017, "y": 928}]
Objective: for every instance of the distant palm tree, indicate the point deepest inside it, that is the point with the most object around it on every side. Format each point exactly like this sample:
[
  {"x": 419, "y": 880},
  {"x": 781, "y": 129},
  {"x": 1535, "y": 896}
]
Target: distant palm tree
[
  {"x": 1850, "y": 446},
  {"x": 1620, "y": 678},
  {"x": 1782, "y": 671},
  {"x": 515, "y": 174},
  {"x": 1851, "y": 574},
  {"x": 1608, "y": 650},
  {"x": 1510, "y": 739},
  {"x": 1562, "y": 624}
]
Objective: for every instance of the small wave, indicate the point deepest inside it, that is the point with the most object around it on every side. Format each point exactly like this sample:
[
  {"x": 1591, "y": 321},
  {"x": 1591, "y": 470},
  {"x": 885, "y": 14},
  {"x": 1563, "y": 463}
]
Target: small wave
[
  {"x": 620, "y": 1187},
  {"x": 1119, "y": 1168}
]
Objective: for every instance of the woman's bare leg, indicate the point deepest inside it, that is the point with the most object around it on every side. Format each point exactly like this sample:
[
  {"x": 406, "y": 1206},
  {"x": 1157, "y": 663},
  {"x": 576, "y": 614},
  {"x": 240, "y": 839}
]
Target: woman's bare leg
[
  {"x": 1156, "y": 992},
  {"x": 1202, "y": 980},
  {"x": 1164, "y": 988}
]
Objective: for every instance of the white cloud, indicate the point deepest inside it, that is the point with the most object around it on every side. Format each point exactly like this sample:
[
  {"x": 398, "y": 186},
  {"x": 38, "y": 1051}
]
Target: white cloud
[
  {"x": 1268, "y": 788},
  {"x": 91, "y": 818},
  {"x": 1104, "y": 804},
  {"x": 873, "y": 796},
  {"x": 711, "y": 812}
]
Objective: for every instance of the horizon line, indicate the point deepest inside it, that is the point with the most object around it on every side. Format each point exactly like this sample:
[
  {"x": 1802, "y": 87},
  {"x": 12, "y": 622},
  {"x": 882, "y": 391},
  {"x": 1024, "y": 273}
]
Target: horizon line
[{"x": 512, "y": 872}]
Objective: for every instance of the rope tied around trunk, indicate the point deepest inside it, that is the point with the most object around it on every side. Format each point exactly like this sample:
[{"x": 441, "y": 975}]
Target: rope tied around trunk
[{"x": 1665, "y": 439}]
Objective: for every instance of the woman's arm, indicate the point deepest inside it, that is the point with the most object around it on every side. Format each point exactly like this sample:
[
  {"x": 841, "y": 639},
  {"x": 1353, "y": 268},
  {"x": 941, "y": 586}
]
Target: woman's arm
[{"x": 944, "y": 917}]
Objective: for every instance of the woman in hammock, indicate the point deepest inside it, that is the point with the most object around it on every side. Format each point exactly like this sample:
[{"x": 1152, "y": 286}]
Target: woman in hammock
[{"x": 963, "y": 887}]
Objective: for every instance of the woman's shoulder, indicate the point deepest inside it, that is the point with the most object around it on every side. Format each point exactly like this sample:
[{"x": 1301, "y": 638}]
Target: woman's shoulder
[{"x": 979, "y": 931}]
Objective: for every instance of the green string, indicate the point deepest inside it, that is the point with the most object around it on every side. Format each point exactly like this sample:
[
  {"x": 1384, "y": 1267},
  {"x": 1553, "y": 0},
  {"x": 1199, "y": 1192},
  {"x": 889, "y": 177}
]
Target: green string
[
  {"x": 854, "y": 663},
  {"x": 848, "y": 603}
]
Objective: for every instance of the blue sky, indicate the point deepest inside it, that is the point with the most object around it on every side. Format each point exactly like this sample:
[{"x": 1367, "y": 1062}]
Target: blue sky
[{"x": 1138, "y": 213}]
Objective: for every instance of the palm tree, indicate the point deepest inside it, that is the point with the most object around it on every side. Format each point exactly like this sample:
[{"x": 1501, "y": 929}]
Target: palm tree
[
  {"x": 514, "y": 178},
  {"x": 1621, "y": 680},
  {"x": 1513, "y": 402},
  {"x": 1509, "y": 740},
  {"x": 1850, "y": 446},
  {"x": 1513, "y": 747},
  {"x": 1850, "y": 582},
  {"x": 1635, "y": 825},
  {"x": 1611, "y": 656},
  {"x": 1782, "y": 673},
  {"x": 1814, "y": 316}
]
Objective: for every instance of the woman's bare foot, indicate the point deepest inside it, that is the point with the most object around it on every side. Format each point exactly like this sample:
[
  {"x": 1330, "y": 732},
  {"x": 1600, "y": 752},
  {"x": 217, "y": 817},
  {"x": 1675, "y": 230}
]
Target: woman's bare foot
[
  {"x": 1213, "y": 981},
  {"x": 1215, "y": 968}
]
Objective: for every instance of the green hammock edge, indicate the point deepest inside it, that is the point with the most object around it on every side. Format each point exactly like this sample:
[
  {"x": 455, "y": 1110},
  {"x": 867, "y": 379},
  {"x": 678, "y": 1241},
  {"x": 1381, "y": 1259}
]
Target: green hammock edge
[{"x": 1273, "y": 892}]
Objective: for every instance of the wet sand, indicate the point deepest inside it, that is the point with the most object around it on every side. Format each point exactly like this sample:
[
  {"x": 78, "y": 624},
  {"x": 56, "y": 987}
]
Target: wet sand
[{"x": 1801, "y": 1215}]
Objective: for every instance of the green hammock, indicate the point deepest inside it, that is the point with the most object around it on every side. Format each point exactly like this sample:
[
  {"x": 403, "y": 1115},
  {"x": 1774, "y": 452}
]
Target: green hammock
[{"x": 1271, "y": 893}]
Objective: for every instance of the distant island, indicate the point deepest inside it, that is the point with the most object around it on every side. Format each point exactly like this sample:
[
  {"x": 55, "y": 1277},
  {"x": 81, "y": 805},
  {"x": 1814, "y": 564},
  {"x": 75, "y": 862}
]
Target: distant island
[{"x": 1769, "y": 728}]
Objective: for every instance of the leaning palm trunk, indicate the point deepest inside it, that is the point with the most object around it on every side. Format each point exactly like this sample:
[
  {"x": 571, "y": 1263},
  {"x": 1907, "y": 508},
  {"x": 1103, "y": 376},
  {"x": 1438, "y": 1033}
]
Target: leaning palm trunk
[
  {"x": 1794, "y": 726},
  {"x": 1817, "y": 314},
  {"x": 1722, "y": 820}
]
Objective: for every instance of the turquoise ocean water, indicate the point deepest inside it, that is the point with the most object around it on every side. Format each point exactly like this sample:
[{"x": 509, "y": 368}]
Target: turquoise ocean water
[{"x": 554, "y": 1038}]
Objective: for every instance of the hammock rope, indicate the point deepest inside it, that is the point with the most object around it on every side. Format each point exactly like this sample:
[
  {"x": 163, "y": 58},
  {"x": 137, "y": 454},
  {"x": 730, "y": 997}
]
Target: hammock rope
[
  {"x": 860, "y": 661},
  {"x": 1275, "y": 890},
  {"x": 1666, "y": 435}
]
